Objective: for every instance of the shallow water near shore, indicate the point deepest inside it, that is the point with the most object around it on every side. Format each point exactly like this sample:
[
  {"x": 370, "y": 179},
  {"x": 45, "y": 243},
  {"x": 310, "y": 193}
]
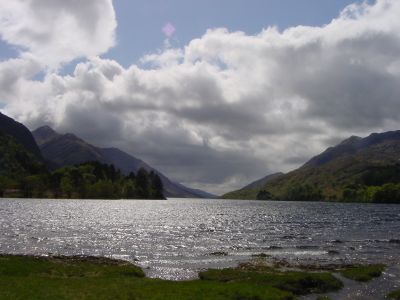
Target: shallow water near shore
[{"x": 174, "y": 239}]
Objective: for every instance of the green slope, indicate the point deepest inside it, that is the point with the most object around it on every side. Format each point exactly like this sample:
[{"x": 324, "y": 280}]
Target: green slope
[
  {"x": 358, "y": 169},
  {"x": 20, "y": 133},
  {"x": 16, "y": 160},
  {"x": 16, "y": 163},
  {"x": 24, "y": 174},
  {"x": 251, "y": 191}
]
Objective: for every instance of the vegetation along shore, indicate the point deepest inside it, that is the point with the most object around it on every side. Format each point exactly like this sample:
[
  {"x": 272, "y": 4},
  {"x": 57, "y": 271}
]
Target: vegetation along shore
[{"x": 76, "y": 277}]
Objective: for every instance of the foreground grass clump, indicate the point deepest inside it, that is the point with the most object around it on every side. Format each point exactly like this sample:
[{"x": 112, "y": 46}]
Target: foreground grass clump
[
  {"x": 363, "y": 273},
  {"x": 296, "y": 282},
  {"x": 394, "y": 295},
  {"x": 23, "y": 277},
  {"x": 66, "y": 267}
]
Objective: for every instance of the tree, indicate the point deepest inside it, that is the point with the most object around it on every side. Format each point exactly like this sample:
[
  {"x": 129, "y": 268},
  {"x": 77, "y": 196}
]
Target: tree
[
  {"x": 388, "y": 193},
  {"x": 303, "y": 193},
  {"x": 66, "y": 187},
  {"x": 55, "y": 182},
  {"x": 34, "y": 186},
  {"x": 105, "y": 190},
  {"x": 156, "y": 186},
  {"x": 142, "y": 184},
  {"x": 3, "y": 185},
  {"x": 264, "y": 195}
]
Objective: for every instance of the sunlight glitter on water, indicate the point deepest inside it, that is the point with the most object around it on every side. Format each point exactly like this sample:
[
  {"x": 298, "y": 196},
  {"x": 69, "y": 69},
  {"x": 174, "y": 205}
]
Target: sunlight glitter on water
[{"x": 175, "y": 239}]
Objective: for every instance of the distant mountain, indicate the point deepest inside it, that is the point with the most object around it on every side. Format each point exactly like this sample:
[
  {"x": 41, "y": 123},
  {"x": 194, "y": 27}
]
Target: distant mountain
[
  {"x": 64, "y": 150},
  {"x": 44, "y": 134},
  {"x": 197, "y": 192},
  {"x": 251, "y": 190},
  {"x": 68, "y": 149},
  {"x": 357, "y": 146},
  {"x": 261, "y": 182},
  {"x": 24, "y": 174},
  {"x": 20, "y": 133},
  {"x": 128, "y": 163},
  {"x": 355, "y": 169}
]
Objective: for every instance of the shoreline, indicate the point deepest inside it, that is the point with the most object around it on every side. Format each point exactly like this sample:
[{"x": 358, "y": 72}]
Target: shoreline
[
  {"x": 208, "y": 199},
  {"x": 274, "y": 280}
]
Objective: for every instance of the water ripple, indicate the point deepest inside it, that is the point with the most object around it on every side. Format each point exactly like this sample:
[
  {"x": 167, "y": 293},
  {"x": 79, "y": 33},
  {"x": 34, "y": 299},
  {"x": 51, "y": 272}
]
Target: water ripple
[{"x": 173, "y": 239}]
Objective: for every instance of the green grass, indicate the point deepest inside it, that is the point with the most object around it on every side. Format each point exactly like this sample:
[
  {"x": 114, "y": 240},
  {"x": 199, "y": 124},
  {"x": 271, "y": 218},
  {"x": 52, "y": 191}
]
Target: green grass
[
  {"x": 23, "y": 277},
  {"x": 363, "y": 273},
  {"x": 395, "y": 295},
  {"x": 296, "y": 282},
  {"x": 27, "y": 277},
  {"x": 66, "y": 267}
]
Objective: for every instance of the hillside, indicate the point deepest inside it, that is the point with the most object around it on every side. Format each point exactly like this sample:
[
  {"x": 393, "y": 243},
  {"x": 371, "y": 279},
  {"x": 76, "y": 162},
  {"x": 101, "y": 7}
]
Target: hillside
[
  {"x": 128, "y": 163},
  {"x": 23, "y": 173},
  {"x": 19, "y": 156},
  {"x": 354, "y": 170},
  {"x": 15, "y": 160},
  {"x": 20, "y": 133},
  {"x": 67, "y": 149},
  {"x": 251, "y": 190}
]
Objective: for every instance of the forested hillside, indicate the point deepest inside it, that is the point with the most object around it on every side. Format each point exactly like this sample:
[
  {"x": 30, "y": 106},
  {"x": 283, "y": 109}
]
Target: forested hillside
[
  {"x": 357, "y": 169},
  {"x": 24, "y": 174}
]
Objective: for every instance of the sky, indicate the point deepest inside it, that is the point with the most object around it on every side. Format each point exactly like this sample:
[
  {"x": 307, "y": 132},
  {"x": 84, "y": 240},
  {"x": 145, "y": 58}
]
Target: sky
[{"x": 215, "y": 94}]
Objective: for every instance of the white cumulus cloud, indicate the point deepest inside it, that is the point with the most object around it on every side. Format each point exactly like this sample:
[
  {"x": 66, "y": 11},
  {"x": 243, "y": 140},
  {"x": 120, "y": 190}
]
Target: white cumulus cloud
[{"x": 58, "y": 31}]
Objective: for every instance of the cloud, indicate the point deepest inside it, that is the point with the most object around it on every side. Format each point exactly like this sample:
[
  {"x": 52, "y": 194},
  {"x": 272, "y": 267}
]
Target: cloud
[
  {"x": 58, "y": 31},
  {"x": 230, "y": 107}
]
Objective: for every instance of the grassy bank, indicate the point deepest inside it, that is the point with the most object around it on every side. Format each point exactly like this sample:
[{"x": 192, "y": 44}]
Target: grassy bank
[
  {"x": 363, "y": 273},
  {"x": 394, "y": 295},
  {"x": 25, "y": 277}
]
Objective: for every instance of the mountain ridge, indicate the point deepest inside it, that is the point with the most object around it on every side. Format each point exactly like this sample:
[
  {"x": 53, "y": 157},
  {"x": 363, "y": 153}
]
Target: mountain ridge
[
  {"x": 68, "y": 149},
  {"x": 351, "y": 146}
]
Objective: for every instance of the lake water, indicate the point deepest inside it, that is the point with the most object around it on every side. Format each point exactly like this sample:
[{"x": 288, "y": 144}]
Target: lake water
[{"x": 175, "y": 239}]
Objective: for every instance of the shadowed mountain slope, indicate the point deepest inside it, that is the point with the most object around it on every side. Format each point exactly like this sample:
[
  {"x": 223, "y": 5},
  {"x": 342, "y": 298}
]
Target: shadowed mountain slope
[
  {"x": 67, "y": 149},
  {"x": 20, "y": 133}
]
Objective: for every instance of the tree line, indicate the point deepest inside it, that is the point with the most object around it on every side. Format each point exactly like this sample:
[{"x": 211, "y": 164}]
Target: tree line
[
  {"x": 378, "y": 184},
  {"x": 91, "y": 180}
]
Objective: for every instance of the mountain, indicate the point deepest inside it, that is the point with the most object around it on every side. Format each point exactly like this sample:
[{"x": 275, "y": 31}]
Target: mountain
[
  {"x": 68, "y": 149},
  {"x": 190, "y": 191},
  {"x": 261, "y": 182},
  {"x": 44, "y": 135},
  {"x": 251, "y": 190},
  {"x": 356, "y": 169},
  {"x": 64, "y": 150},
  {"x": 20, "y": 157},
  {"x": 128, "y": 163},
  {"x": 20, "y": 133}
]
